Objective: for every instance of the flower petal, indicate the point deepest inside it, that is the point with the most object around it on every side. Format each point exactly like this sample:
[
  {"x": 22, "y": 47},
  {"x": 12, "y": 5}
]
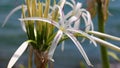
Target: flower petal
[
  {"x": 68, "y": 14},
  {"x": 106, "y": 44},
  {"x": 87, "y": 18},
  {"x": 104, "y": 35},
  {"x": 17, "y": 54},
  {"x": 77, "y": 7},
  {"x": 84, "y": 34},
  {"x": 54, "y": 44},
  {"x": 77, "y": 24},
  {"x": 69, "y": 4},
  {"x": 72, "y": 19},
  {"x": 40, "y": 19},
  {"x": 62, "y": 3},
  {"x": 76, "y": 42},
  {"x": 12, "y": 12},
  {"x": 62, "y": 46},
  {"x": 24, "y": 10}
]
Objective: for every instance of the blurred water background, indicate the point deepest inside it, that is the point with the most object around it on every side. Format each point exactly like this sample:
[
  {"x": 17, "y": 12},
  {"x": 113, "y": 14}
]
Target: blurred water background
[{"x": 12, "y": 35}]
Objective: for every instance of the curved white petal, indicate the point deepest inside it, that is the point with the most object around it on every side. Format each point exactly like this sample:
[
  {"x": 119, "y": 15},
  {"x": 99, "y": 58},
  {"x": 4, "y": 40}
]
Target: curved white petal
[
  {"x": 77, "y": 7},
  {"x": 62, "y": 17},
  {"x": 41, "y": 19},
  {"x": 72, "y": 19},
  {"x": 84, "y": 34},
  {"x": 62, "y": 3},
  {"x": 22, "y": 22},
  {"x": 17, "y": 54},
  {"x": 68, "y": 3},
  {"x": 23, "y": 26},
  {"x": 54, "y": 44},
  {"x": 87, "y": 24},
  {"x": 77, "y": 24},
  {"x": 69, "y": 14},
  {"x": 12, "y": 12},
  {"x": 87, "y": 18},
  {"x": 73, "y": 1},
  {"x": 79, "y": 46}
]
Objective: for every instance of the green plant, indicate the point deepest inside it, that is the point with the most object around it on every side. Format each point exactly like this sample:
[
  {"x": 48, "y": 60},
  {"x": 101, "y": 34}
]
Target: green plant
[{"x": 47, "y": 26}]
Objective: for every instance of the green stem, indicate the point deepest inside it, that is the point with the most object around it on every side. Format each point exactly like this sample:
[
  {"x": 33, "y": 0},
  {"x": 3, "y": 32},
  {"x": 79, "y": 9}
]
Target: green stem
[{"x": 101, "y": 28}]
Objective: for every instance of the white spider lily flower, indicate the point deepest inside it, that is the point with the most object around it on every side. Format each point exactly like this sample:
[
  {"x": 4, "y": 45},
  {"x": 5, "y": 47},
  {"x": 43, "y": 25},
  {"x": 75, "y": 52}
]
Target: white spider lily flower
[
  {"x": 65, "y": 28},
  {"x": 18, "y": 53},
  {"x": 62, "y": 30}
]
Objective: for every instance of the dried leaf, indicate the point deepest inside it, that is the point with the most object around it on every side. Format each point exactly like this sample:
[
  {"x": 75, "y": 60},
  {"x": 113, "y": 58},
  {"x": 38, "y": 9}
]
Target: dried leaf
[
  {"x": 91, "y": 7},
  {"x": 105, "y": 4}
]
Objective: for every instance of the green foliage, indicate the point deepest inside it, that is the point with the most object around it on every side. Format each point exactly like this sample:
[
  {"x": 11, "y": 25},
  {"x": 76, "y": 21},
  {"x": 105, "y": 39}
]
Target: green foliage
[{"x": 37, "y": 30}]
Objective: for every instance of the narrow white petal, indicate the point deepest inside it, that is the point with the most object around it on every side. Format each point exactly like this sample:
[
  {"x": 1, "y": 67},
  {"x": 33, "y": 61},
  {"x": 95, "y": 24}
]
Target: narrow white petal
[
  {"x": 73, "y": 1},
  {"x": 11, "y": 13},
  {"x": 62, "y": 3},
  {"x": 41, "y": 19},
  {"x": 77, "y": 7},
  {"x": 68, "y": 14},
  {"x": 71, "y": 5},
  {"x": 17, "y": 54},
  {"x": 104, "y": 35},
  {"x": 106, "y": 44},
  {"x": 79, "y": 46},
  {"x": 90, "y": 20},
  {"x": 84, "y": 34},
  {"x": 62, "y": 17},
  {"x": 87, "y": 24},
  {"x": 86, "y": 15},
  {"x": 62, "y": 46},
  {"x": 72, "y": 19},
  {"x": 77, "y": 24},
  {"x": 54, "y": 44},
  {"x": 23, "y": 26},
  {"x": 22, "y": 22}
]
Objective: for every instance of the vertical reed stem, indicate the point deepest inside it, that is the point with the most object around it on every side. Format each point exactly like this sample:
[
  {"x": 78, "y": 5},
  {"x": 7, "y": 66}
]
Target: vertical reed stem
[{"x": 101, "y": 28}]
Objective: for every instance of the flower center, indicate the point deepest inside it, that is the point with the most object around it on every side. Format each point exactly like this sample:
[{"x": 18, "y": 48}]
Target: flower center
[{"x": 62, "y": 28}]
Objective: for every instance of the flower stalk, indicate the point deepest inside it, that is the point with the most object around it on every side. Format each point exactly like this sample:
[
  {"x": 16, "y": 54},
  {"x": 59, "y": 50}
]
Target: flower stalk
[{"x": 101, "y": 28}]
